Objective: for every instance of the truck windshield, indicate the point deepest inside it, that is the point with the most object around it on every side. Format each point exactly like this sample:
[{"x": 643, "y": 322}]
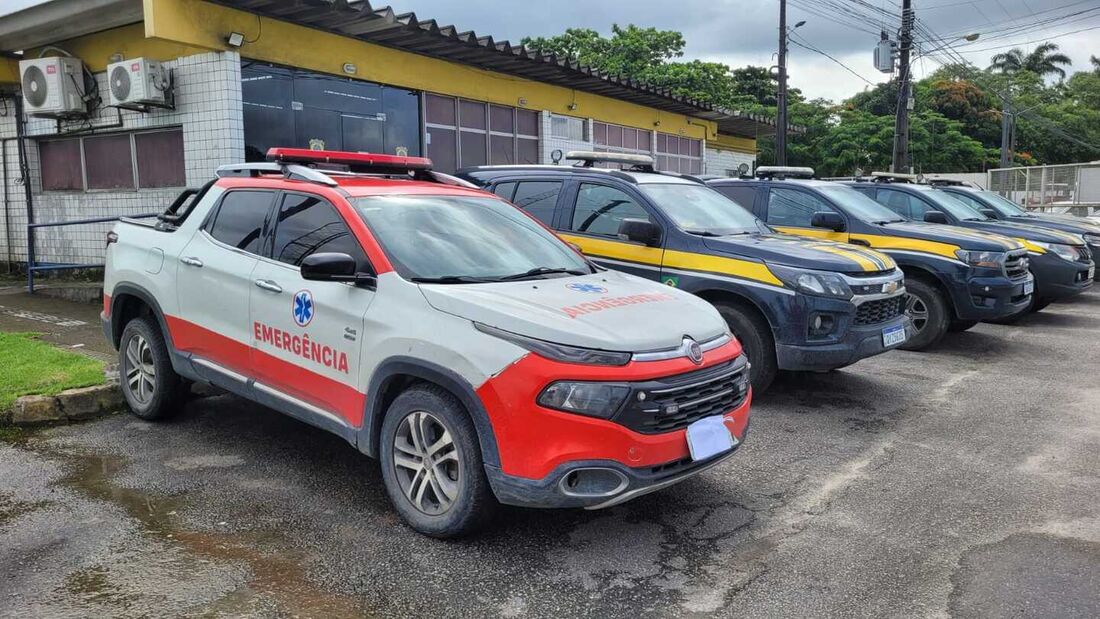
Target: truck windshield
[
  {"x": 859, "y": 205},
  {"x": 957, "y": 208},
  {"x": 464, "y": 239},
  {"x": 698, "y": 209},
  {"x": 1003, "y": 205}
]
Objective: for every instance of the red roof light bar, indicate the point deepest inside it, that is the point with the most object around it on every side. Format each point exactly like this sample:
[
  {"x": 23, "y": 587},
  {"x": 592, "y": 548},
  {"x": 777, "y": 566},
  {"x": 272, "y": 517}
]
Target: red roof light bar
[{"x": 356, "y": 162}]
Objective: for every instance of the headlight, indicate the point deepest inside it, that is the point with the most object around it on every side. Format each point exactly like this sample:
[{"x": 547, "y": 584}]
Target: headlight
[
  {"x": 1066, "y": 252},
  {"x": 985, "y": 259},
  {"x": 821, "y": 283},
  {"x": 592, "y": 399},
  {"x": 559, "y": 352}
]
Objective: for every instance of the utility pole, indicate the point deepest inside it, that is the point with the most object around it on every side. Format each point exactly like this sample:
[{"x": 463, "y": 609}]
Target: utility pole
[
  {"x": 901, "y": 122},
  {"x": 781, "y": 96},
  {"x": 1006, "y": 134}
]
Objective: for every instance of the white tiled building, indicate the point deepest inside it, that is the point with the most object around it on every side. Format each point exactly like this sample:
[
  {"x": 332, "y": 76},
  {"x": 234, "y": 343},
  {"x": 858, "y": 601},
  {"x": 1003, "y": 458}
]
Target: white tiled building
[{"x": 306, "y": 83}]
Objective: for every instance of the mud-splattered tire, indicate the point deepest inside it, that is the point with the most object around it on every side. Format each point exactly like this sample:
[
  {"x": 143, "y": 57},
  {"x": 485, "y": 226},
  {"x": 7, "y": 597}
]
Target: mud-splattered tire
[
  {"x": 151, "y": 387},
  {"x": 756, "y": 339},
  {"x": 432, "y": 466},
  {"x": 929, "y": 312}
]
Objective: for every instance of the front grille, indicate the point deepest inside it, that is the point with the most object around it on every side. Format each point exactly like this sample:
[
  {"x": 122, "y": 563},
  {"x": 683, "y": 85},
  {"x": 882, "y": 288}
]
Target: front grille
[
  {"x": 1016, "y": 264},
  {"x": 677, "y": 402},
  {"x": 1084, "y": 254},
  {"x": 874, "y": 312}
]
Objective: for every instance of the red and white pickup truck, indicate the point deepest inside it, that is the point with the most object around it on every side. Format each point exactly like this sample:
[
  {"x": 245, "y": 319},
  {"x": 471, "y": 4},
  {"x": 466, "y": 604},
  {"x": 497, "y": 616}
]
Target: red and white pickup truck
[{"x": 433, "y": 326}]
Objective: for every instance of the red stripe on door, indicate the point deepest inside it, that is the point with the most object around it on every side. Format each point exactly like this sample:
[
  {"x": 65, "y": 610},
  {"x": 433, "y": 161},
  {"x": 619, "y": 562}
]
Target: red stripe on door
[{"x": 295, "y": 380}]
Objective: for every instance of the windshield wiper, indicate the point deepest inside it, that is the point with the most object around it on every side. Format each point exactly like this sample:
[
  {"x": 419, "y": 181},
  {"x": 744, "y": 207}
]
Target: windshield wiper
[
  {"x": 888, "y": 221},
  {"x": 535, "y": 272},
  {"x": 454, "y": 279},
  {"x": 698, "y": 232}
]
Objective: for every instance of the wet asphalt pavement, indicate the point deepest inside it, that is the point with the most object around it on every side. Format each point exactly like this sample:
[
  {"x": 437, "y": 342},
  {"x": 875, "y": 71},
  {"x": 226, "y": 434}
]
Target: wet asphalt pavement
[{"x": 960, "y": 482}]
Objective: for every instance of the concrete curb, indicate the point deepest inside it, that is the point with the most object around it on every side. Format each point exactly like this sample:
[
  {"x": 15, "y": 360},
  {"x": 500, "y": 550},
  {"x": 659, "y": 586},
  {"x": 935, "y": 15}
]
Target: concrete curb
[{"x": 71, "y": 405}]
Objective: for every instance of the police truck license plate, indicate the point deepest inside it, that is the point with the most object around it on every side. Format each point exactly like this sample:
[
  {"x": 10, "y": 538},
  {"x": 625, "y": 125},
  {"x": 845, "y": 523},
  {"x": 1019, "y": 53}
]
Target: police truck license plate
[
  {"x": 1092, "y": 272},
  {"x": 893, "y": 336},
  {"x": 1029, "y": 287},
  {"x": 708, "y": 437}
]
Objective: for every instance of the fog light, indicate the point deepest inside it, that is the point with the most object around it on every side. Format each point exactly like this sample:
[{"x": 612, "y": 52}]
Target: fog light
[{"x": 821, "y": 324}]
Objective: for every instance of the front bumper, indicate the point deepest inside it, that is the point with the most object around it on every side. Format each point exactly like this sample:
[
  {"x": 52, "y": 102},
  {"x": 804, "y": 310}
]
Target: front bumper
[
  {"x": 858, "y": 342},
  {"x": 1056, "y": 278},
  {"x": 539, "y": 447},
  {"x": 553, "y": 492},
  {"x": 988, "y": 298}
]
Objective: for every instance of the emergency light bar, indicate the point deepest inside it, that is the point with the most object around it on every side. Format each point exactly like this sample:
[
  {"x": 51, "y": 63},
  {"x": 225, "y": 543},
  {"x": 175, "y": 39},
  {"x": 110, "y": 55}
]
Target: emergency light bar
[
  {"x": 356, "y": 162},
  {"x": 781, "y": 172},
  {"x": 888, "y": 177},
  {"x": 589, "y": 158}
]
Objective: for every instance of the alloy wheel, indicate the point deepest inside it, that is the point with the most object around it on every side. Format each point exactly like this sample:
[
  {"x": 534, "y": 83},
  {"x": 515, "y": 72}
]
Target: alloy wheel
[
  {"x": 140, "y": 370},
  {"x": 917, "y": 311},
  {"x": 427, "y": 463}
]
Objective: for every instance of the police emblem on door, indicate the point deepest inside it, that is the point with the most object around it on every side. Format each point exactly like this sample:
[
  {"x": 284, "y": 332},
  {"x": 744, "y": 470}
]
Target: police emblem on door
[{"x": 303, "y": 308}]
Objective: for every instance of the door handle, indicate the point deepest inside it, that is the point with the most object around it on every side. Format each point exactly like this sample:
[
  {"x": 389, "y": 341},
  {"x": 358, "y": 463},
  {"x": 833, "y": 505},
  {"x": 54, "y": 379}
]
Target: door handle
[
  {"x": 268, "y": 285},
  {"x": 191, "y": 261}
]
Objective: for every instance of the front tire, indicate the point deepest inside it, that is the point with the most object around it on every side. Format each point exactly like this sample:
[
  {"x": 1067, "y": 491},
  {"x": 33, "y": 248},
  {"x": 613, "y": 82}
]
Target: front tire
[
  {"x": 757, "y": 342},
  {"x": 151, "y": 387},
  {"x": 929, "y": 312},
  {"x": 432, "y": 466}
]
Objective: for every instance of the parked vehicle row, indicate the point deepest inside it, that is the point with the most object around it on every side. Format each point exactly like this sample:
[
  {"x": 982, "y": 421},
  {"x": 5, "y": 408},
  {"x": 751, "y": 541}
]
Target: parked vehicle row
[{"x": 601, "y": 341}]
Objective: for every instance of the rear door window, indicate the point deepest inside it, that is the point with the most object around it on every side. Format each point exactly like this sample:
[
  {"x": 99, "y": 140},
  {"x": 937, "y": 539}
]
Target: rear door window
[
  {"x": 794, "y": 208},
  {"x": 538, "y": 198},
  {"x": 239, "y": 220},
  {"x": 600, "y": 210},
  {"x": 903, "y": 204},
  {"x": 744, "y": 195}
]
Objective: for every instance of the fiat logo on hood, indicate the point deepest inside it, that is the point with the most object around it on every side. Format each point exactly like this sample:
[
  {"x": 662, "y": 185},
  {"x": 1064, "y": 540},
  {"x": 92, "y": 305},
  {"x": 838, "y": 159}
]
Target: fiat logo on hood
[{"x": 692, "y": 350}]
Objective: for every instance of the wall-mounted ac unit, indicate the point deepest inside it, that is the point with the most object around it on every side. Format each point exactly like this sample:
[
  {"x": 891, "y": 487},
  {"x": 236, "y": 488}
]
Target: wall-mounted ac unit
[
  {"x": 139, "y": 83},
  {"x": 53, "y": 87}
]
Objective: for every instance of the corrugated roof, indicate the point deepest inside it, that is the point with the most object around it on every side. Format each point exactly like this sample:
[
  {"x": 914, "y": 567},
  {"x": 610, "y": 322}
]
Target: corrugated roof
[{"x": 405, "y": 31}]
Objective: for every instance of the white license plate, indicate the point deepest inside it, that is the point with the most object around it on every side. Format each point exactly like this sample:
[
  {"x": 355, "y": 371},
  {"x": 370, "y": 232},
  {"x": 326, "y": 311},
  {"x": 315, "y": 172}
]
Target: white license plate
[
  {"x": 1029, "y": 287},
  {"x": 709, "y": 437},
  {"x": 1092, "y": 272},
  {"x": 893, "y": 336}
]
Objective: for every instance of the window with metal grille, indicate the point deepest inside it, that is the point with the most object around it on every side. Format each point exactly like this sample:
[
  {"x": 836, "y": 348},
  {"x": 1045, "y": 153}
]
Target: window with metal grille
[
  {"x": 133, "y": 160},
  {"x": 567, "y": 127},
  {"x": 676, "y": 153},
  {"x": 464, "y": 133}
]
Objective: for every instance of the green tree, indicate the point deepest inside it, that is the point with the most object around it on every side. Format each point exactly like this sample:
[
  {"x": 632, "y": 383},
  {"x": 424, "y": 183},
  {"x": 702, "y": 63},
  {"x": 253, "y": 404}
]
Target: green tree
[
  {"x": 629, "y": 52},
  {"x": 1044, "y": 60}
]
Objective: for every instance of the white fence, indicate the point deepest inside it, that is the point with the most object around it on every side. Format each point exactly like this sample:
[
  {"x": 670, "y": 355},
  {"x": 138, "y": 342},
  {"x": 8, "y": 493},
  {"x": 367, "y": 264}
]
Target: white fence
[{"x": 1070, "y": 188}]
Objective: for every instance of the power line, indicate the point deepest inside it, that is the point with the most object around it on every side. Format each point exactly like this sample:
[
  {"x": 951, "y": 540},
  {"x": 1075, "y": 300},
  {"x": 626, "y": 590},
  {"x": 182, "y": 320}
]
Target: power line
[{"x": 811, "y": 48}]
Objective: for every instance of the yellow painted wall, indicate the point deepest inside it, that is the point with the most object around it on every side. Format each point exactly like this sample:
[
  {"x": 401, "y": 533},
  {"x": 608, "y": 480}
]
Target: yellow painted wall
[
  {"x": 734, "y": 143},
  {"x": 198, "y": 24},
  {"x": 9, "y": 71},
  {"x": 96, "y": 49}
]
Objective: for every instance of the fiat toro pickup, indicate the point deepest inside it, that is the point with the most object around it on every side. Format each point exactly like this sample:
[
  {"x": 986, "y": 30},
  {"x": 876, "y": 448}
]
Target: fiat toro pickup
[
  {"x": 954, "y": 277},
  {"x": 793, "y": 304},
  {"x": 1060, "y": 262},
  {"x": 996, "y": 206},
  {"x": 432, "y": 325}
]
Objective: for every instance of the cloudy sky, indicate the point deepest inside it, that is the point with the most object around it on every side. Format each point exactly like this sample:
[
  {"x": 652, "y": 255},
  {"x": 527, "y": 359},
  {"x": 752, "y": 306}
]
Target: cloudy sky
[{"x": 740, "y": 32}]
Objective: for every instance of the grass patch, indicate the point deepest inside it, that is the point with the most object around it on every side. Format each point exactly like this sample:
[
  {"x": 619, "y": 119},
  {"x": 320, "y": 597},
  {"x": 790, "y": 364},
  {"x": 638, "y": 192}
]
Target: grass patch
[{"x": 29, "y": 366}]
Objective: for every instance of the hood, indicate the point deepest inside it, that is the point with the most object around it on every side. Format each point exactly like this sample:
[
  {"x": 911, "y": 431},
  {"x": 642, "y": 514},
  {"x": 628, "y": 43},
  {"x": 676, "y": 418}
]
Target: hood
[
  {"x": 1024, "y": 231},
  {"x": 607, "y": 310},
  {"x": 1065, "y": 223},
  {"x": 802, "y": 253},
  {"x": 964, "y": 238}
]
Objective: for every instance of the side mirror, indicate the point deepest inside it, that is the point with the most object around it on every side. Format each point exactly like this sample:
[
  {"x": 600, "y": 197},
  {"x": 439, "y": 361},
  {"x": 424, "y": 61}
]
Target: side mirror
[
  {"x": 829, "y": 221},
  {"x": 935, "y": 217},
  {"x": 332, "y": 267},
  {"x": 640, "y": 231},
  {"x": 988, "y": 212}
]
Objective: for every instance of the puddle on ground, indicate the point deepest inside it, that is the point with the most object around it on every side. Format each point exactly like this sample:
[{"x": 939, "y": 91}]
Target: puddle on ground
[{"x": 277, "y": 582}]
